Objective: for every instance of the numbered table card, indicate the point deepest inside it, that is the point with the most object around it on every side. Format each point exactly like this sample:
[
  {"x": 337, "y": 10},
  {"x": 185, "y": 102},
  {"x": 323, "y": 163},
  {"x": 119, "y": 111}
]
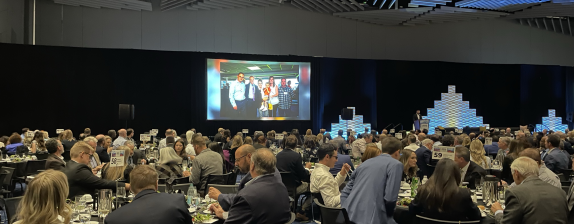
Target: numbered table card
[
  {"x": 278, "y": 136},
  {"x": 145, "y": 137},
  {"x": 58, "y": 131},
  {"x": 440, "y": 152},
  {"x": 117, "y": 158},
  {"x": 488, "y": 141},
  {"x": 496, "y": 130},
  {"x": 153, "y": 132},
  {"x": 245, "y": 131},
  {"x": 30, "y": 134},
  {"x": 399, "y": 135},
  {"x": 439, "y": 133},
  {"x": 392, "y": 131}
]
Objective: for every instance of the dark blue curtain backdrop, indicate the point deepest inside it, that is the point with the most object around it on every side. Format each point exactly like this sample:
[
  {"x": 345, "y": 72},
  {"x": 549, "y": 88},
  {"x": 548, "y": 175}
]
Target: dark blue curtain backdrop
[{"x": 74, "y": 88}]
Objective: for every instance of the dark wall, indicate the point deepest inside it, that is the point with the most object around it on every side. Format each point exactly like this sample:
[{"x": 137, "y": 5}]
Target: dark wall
[{"x": 74, "y": 88}]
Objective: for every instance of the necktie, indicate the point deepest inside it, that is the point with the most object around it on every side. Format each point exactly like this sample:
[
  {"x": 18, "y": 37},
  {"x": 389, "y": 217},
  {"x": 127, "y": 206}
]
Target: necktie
[{"x": 253, "y": 91}]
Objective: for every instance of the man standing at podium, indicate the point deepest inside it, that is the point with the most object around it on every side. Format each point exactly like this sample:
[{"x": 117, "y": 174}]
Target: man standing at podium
[{"x": 416, "y": 117}]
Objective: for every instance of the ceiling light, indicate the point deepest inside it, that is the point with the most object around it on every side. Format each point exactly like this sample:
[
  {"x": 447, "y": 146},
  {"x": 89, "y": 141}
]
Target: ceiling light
[{"x": 254, "y": 68}]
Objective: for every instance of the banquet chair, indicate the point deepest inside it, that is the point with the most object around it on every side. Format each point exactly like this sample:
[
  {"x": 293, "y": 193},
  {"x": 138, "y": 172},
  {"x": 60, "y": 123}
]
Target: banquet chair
[
  {"x": 181, "y": 187},
  {"x": 425, "y": 220},
  {"x": 10, "y": 205},
  {"x": 33, "y": 166},
  {"x": 181, "y": 180},
  {"x": 565, "y": 189},
  {"x": 289, "y": 182},
  {"x": 162, "y": 188},
  {"x": 333, "y": 215},
  {"x": 224, "y": 189},
  {"x": 42, "y": 156},
  {"x": 7, "y": 186},
  {"x": 292, "y": 219},
  {"x": 224, "y": 179}
]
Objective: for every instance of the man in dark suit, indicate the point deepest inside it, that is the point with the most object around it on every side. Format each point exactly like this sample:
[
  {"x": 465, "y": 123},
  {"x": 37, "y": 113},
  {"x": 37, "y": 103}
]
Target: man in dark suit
[
  {"x": 290, "y": 161},
  {"x": 417, "y": 116},
  {"x": 424, "y": 158},
  {"x": 80, "y": 177},
  {"x": 101, "y": 151},
  {"x": 252, "y": 97},
  {"x": 137, "y": 157},
  {"x": 523, "y": 202},
  {"x": 470, "y": 171},
  {"x": 55, "y": 148},
  {"x": 218, "y": 137},
  {"x": 148, "y": 206},
  {"x": 244, "y": 154},
  {"x": 264, "y": 199}
]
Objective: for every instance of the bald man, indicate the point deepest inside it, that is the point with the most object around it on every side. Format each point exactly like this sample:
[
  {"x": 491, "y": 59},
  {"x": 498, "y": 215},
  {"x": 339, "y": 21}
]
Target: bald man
[{"x": 122, "y": 138}]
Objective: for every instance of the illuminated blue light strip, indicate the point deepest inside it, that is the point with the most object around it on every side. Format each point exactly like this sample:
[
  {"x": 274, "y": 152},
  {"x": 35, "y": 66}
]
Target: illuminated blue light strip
[
  {"x": 494, "y": 4},
  {"x": 552, "y": 122},
  {"x": 451, "y": 111},
  {"x": 356, "y": 125}
]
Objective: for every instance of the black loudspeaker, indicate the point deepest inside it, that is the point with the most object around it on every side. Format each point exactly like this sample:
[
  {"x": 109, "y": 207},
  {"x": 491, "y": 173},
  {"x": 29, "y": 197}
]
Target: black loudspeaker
[
  {"x": 126, "y": 111},
  {"x": 569, "y": 116},
  {"x": 347, "y": 114}
]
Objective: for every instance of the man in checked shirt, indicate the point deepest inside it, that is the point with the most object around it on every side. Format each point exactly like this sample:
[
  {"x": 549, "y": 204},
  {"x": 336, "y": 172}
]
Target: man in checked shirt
[{"x": 285, "y": 96}]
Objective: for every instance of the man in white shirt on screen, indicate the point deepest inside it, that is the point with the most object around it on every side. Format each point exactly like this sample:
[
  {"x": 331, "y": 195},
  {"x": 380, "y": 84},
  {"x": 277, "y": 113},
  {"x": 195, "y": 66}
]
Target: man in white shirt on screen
[{"x": 237, "y": 95}]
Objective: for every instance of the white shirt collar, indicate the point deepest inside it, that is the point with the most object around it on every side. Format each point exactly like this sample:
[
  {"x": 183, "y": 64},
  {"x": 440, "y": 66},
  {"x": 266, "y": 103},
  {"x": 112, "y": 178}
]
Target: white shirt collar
[{"x": 465, "y": 168}]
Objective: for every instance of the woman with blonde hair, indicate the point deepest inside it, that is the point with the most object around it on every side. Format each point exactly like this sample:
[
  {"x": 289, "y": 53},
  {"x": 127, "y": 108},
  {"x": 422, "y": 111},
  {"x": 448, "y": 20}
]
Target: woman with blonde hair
[
  {"x": 45, "y": 200},
  {"x": 248, "y": 141},
  {"x": 370, "y": 152},
  {"x": 118, "y": 172},
  {"x": 466, "y": 141},
  {"x": 477, "y": 154},
  {"x": 68, "y": 142},
  {"x": 409, "y": 160},
  {"x": 235, "y": 144},
  {"x": 168, "y": 164}
]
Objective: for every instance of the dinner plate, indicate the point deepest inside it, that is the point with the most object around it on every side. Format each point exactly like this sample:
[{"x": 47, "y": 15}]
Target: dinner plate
[
  {"x": 191, "y": 210},
  {"x": 206, "y": 211},
  {"x": 405, "y": 188},
  {"x": 404, "y": 195},
  {"x": 210, "y": 221}
]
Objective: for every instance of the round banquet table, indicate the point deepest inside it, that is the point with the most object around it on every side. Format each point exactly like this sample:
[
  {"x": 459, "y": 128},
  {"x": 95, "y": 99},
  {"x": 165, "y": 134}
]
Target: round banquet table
[{"x": 403, "y": 216}]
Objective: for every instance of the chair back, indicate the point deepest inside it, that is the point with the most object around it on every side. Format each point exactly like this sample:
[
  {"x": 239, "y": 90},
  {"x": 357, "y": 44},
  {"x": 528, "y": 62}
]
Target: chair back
[
  {"x": 33, "y": 166},
  {"x": 224, "y": 179},
  {"x": 161, "y": 181},
  {"x": 181, "y": 187},
  {"x": 224, "y": 189},
  {"x": 42, "y": 156},
  {"x": 182, "y": 180},
  {"x": 9, "y": 171},
  {"x": 566, "y": 174},
  {"x": 10, "y": 206},
  {"x": 318, "y": 196},
  {"x": 289, "y": 181},
  {"x": 423, "y": 219},
  {"x": 162, "y": 188},
  {"x": 332, "y": 215}
]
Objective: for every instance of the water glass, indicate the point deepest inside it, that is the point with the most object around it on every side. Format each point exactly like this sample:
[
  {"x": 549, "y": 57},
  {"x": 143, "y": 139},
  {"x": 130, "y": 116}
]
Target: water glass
[
  {"x": 121, "y": 192},
  {"x": 104, "y": 202},
  {"x": 85, "y": 215}
]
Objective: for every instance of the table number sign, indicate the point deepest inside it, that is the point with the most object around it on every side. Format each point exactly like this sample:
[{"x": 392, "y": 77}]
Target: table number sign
[
  {"x": 279, "y": 136},
  {"x": 399, "y": 135},
  {"x": 440, "y": 152},
  {"x": 145, "y": 137},
  {"x": 153, "y": 132},
  {"x": 58, "y": 131},
  {"x": 439, "y": 133},
  {"x": 245, "y": 131},
  {"x": 496, "y": 130},
  {"x": 30, "y": 134},
  {"x": 117, "y": 158},
  {"x": 392, "y": 131},
  {"x": 488, "y": 141}
]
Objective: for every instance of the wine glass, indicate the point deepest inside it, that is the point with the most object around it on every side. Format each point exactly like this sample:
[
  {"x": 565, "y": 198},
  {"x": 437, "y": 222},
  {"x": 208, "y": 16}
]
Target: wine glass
[
  {"x": 121, "y": 192},
  {"x": 104, "y": 203}
]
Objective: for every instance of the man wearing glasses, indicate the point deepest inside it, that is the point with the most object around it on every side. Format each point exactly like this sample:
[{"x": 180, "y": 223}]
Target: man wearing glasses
[
  {"x": 80, "y": 177},
  {"x": 237, "y": 95}
]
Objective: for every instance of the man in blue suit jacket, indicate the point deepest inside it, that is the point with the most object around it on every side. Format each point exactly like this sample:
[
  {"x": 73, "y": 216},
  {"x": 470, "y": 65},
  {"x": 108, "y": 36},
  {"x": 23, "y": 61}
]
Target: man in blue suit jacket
[
  {"x": 424, "y": 157},
  {"x": 492, "y": 149},
  {"x": 150, "y": 207}
]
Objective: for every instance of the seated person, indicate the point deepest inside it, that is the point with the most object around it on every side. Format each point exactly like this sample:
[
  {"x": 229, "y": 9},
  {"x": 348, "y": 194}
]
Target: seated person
[
  {"x": 409, "y": 161},
  {"x": 470, "y": 170},
  {"x": 95, "y": 162},
  {"x": 555, "y": 159},
  {"x": 168, "y": 164},
  {"x": 119, "y": 172},
  {"x": 16, "y": 146},
  {"x": 149, "y": 206},
  {"x": 442, "y": 198},
  {"x": 45, "y": 198},
  {"x": 101, "y": 150},
  {"x": 80, "y": 177},
  {"x": 137, "y": 157},
  {"x": 55, "y": 160},
  {"x": 523, "y": 201},
  {"x": 370, "y": 152},
  {"x": 243, "y": 155},
  {"x": 263, "y": 200},
  {"x": 322, "y": 181},
  {"x": 205, "y": 163},
  {"x": 544, "y": 173}
]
